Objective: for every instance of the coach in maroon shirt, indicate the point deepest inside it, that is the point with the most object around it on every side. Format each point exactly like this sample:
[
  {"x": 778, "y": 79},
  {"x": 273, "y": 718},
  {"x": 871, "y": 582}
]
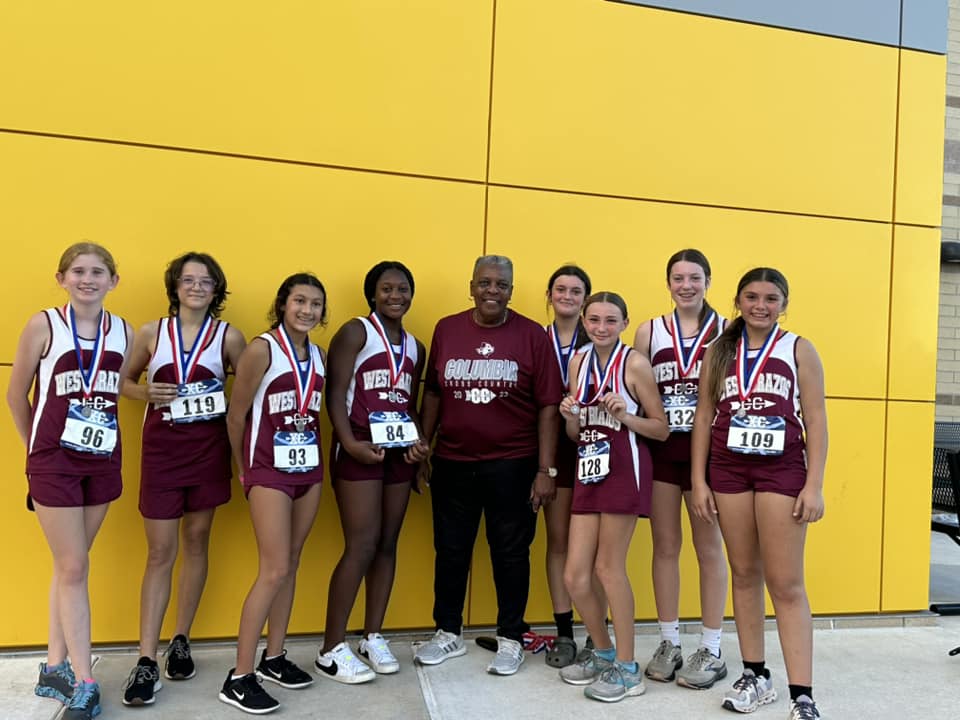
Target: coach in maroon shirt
[{"x": 491, "y": 395}]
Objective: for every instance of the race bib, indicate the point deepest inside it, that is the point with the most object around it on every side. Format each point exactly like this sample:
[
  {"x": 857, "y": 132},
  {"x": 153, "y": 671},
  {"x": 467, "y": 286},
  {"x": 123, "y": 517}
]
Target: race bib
[
  {"x": 198, "y": 401},
  {"x": 90, "y": 431},
  {"x": 392, "y": 429},
  {"x": 593, "y": 462},
  {"x": 757, "y": 434},
  {"x": 680, "y": 410},
  {"x": 295, "y": 452}
]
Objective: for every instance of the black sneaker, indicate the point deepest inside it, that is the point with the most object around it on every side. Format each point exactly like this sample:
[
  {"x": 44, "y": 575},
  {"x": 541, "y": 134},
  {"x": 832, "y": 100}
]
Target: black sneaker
[
  {"x": 282, "y": 671},
  {"x": 179, "y": 663},
  {"x": 247, "y": 694},
  {"x": 143, "y": 682}
]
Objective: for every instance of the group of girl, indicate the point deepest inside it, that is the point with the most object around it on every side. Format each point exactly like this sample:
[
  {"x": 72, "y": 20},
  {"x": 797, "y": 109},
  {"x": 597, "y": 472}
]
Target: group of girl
[
  {"x": 735, "y": 419},
  {"x": 746, "y": 455}
]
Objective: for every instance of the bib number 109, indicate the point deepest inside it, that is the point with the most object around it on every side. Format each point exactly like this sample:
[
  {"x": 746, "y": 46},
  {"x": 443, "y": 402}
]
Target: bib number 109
[{"x": 757, "y": 435}]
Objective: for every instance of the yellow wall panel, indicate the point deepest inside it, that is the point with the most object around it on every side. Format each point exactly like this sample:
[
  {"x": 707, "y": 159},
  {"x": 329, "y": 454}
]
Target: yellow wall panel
[
  {"x": 633, "y": 101},
  {"x": 843, "y": 560},
  {"x": 920, "y": 138},
  {"x": 913, "y": 318},
  {"x": 906, "y": 502},
  {"x": 370, "y": 83},
  {"x": 262, "y": 221},
  {"x": 624, "y": 246}
]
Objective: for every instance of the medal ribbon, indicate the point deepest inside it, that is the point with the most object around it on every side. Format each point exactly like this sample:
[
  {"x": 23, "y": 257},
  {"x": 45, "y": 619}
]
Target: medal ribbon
[
  {"x": 88, "y": 375},
  {"x": 395, "y": 360},
  {"x": 563, "y": 358},
  {"x": 610, "y": 373},
  {"x": 747, "y": 376},
  {"x": 184, "y": 367},
  {"x": 686, "y": 359},
  {"x": 304, "y": 380}
]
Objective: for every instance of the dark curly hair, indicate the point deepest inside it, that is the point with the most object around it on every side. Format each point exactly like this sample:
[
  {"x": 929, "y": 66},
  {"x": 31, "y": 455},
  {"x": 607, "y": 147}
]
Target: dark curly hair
[{"x": 171, "y": 278}]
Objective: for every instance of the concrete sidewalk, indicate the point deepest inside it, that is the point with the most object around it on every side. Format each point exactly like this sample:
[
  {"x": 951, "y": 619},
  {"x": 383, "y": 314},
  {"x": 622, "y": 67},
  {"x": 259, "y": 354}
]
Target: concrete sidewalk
[
  {"x": 895, "y": 667},
  {"x": 877, "y": 667}
]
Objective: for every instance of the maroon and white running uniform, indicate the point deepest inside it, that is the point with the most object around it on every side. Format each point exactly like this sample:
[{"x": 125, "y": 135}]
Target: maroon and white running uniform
[
  {"x": 613, "y": 463},
  {"x": 371, "y": 388},
  {"x": 275, "y": 427},
  {"x": 678, "y": 381},
  {"x": 59, "y": 387},
  {"x": 492, "y": 382},
  {"x": 765, "y": 430},
  {"x": 180, "y": 454}
]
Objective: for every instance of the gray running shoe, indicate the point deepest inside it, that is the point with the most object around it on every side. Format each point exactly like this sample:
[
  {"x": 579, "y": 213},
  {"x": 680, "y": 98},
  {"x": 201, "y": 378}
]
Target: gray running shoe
[
  {"x": 665, "y": 662},
  {"x": 616, "y": 683},
  {"x": 749, "y": 692},
  {"x": 508, "y": 659},
  {"x": 586, "y": 669},
  {"x": 441, "y": 646},
  {"x": 803, "y": 708},
  {"x": 701, "y": 670}
]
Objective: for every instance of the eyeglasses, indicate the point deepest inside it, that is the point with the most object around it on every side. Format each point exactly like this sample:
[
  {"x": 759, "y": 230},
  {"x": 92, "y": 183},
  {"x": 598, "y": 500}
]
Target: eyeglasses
[{"x": 205, "y": 283}]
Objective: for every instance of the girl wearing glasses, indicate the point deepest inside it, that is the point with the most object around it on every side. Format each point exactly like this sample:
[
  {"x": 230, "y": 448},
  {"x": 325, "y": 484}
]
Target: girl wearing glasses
[{"x": 185, "y": 465}]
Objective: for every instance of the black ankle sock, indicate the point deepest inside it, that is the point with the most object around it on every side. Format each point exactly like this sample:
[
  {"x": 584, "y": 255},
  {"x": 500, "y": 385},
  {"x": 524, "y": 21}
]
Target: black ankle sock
[
  {"x": 798, "y": 690},
  {"x": 759, "y": 668},
  {"x": 564, "y": 622}
]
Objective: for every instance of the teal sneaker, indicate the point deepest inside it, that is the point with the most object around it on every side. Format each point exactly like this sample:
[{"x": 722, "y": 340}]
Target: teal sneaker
[
  {"x": 616, "y": 683},
  {"x": 56, "y": 682},
  {"x": 84, "y": 703}
]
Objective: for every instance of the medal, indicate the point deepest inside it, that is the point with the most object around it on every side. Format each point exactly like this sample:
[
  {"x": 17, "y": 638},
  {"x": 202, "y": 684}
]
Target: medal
[
  {"x": 184, "y": 363},
  {"x": 563, "y": 358},
  {"x": 85, "y": 411},
  {"x": 591, "y": 374},
  {"x": 747, "y": 375},
  {"x": 395, "y": 360},
  {"x": 88, "y": 376},
  {"x": 575, "y": 409},
  {"x": 303, "y": 380},
  {"x": 686, "y": 359}
]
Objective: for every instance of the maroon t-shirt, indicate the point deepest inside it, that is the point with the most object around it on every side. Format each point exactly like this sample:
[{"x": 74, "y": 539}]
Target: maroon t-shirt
[{"x": 492, "y": 382}]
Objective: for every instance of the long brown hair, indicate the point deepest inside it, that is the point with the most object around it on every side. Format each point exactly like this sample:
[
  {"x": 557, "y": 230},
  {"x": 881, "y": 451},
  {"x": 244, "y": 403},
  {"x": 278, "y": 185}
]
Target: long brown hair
[
  {"x": 696, "y": 257},
  {"x": 724, "y": 348}
]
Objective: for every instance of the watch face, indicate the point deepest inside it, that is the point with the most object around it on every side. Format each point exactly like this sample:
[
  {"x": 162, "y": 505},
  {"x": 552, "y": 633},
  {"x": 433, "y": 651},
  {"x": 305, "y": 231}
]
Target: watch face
[{"x": 552, "y": 472}]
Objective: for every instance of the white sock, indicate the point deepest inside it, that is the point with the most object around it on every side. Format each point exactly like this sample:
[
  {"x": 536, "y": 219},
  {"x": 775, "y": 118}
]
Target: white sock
[
  {"x": 670, "y": 630},
  {"x": 710, "y": 639}
]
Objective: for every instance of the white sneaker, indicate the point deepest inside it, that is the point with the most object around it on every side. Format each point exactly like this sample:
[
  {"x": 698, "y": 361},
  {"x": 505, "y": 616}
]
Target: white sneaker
[
  {"x": 376, "y": 651},
  {"x": 342, "y": 665},
  {"x": 749, "y": 692},
  {"x": 441, "y": 646},
  {"x": 508, "y": 659}
]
